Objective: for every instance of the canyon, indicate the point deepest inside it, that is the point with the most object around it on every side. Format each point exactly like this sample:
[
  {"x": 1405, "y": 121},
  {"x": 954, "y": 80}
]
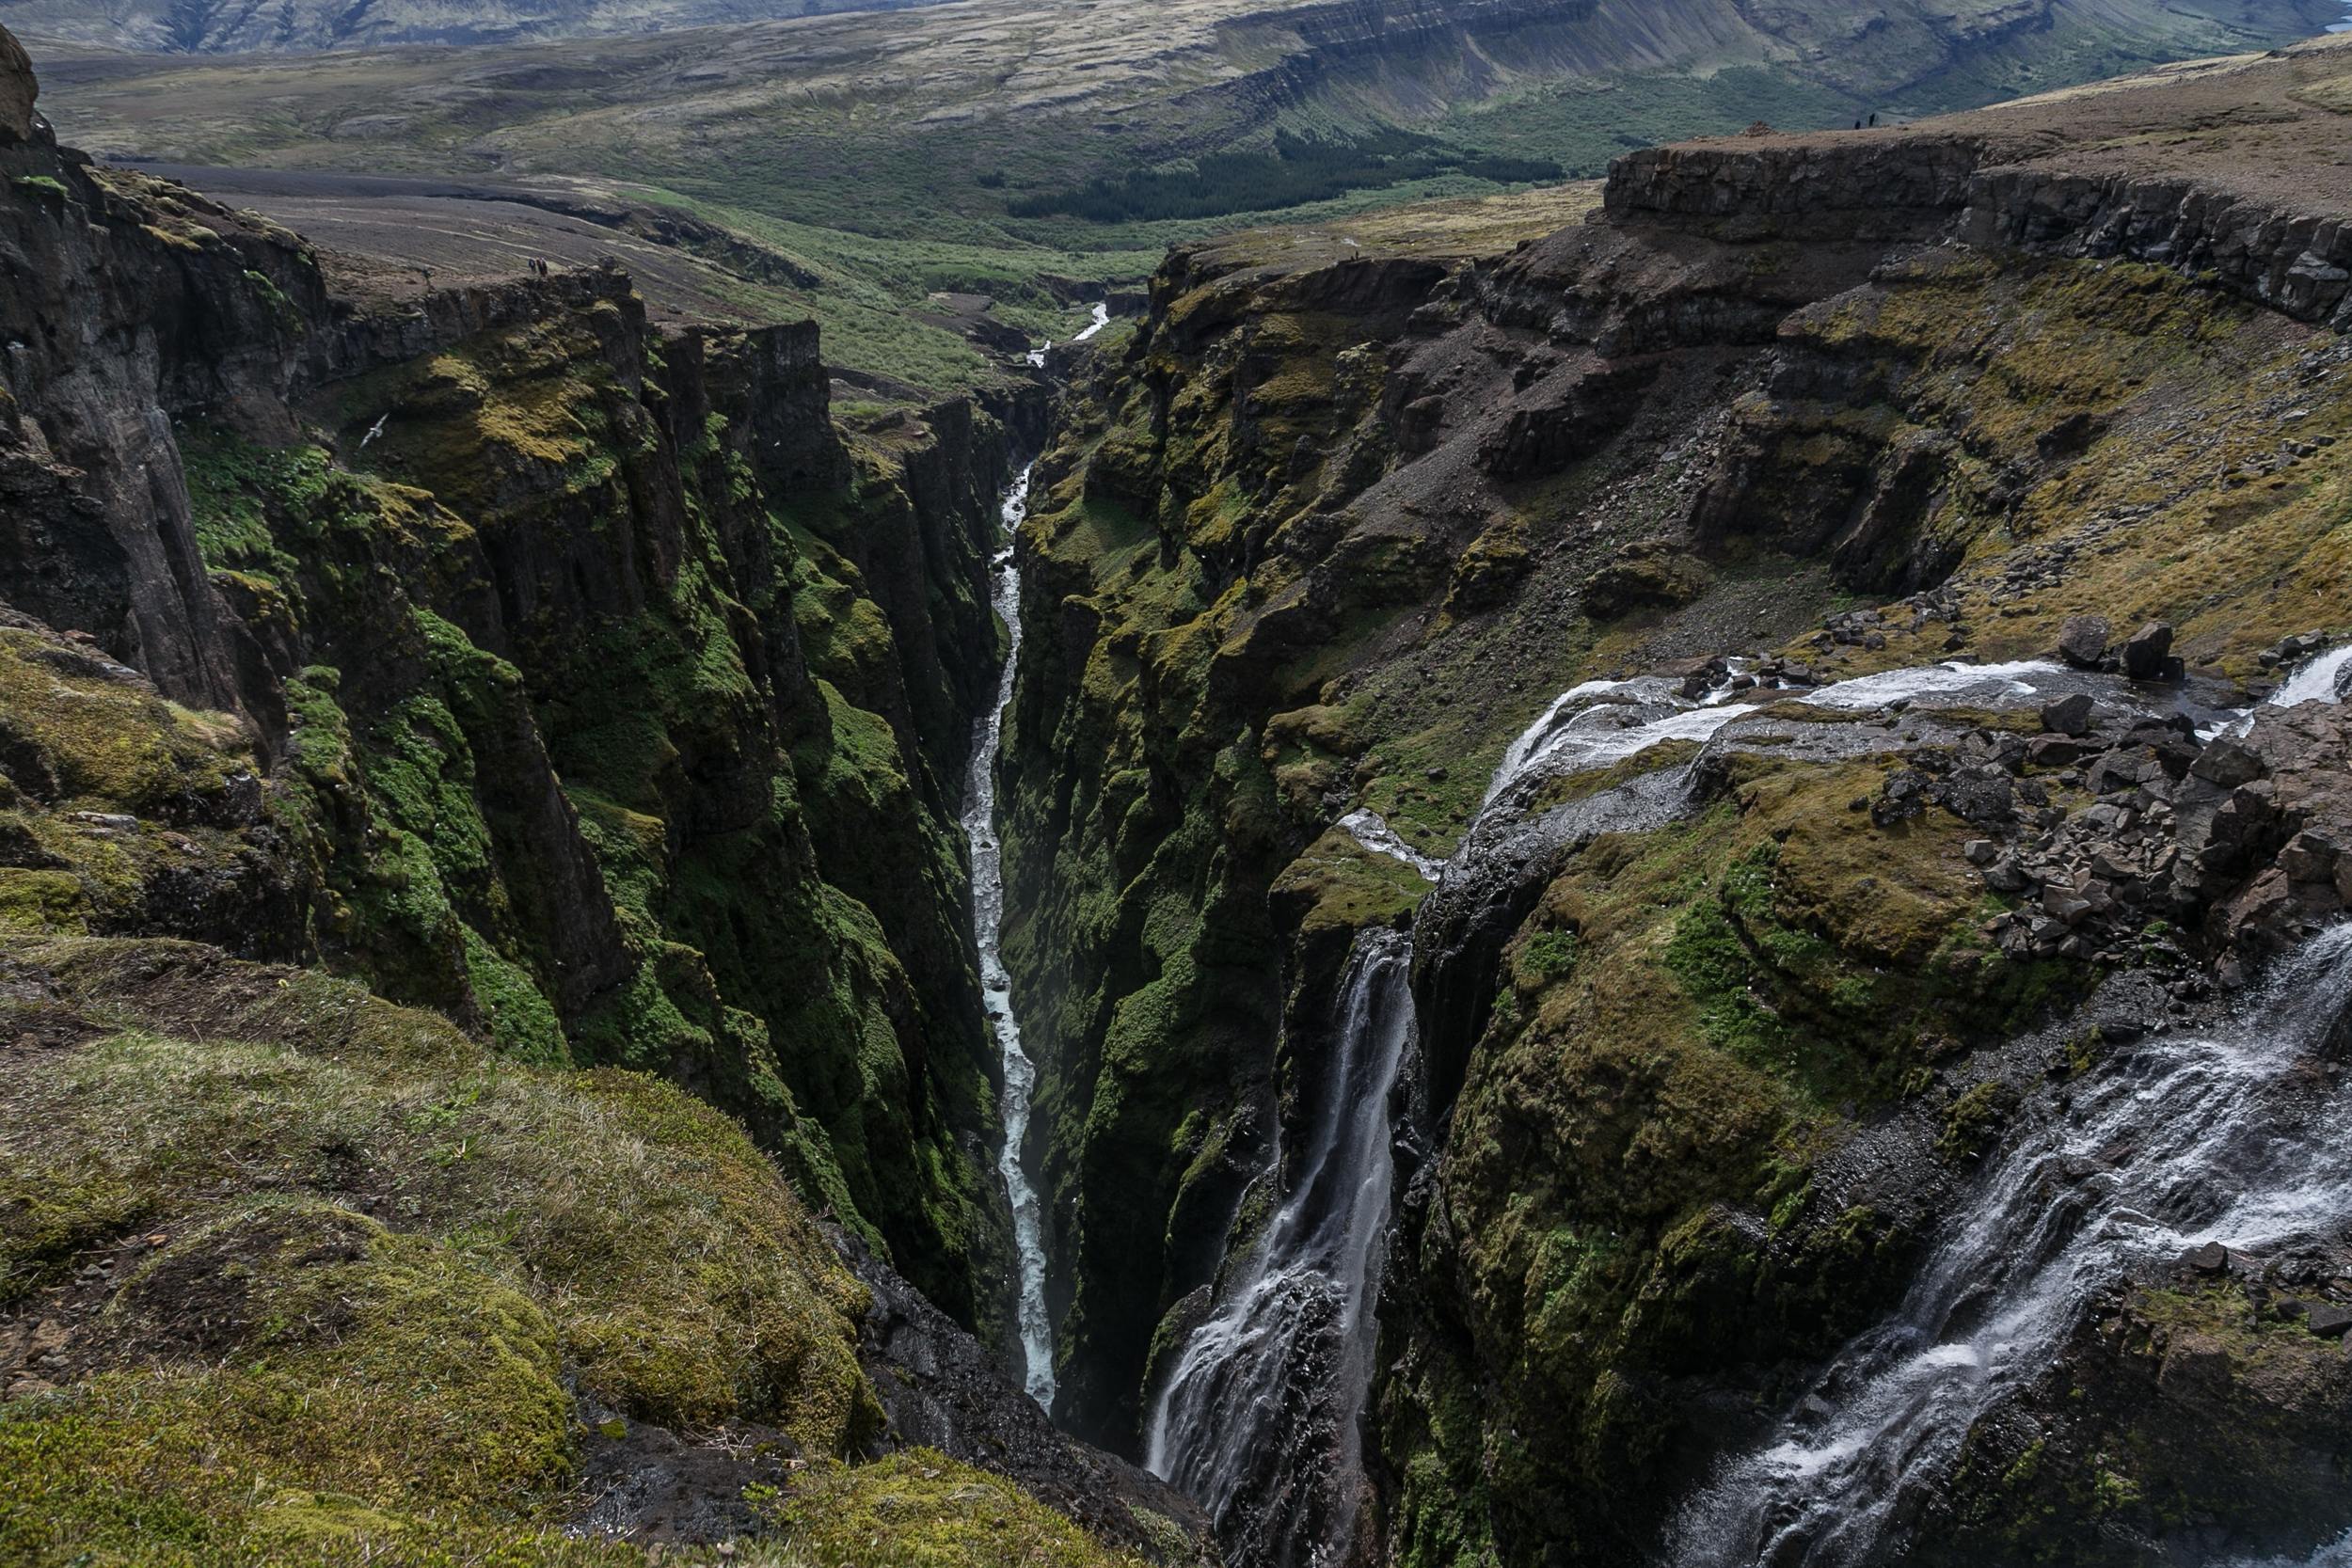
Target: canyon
[{"x": 1644, "y": 871}]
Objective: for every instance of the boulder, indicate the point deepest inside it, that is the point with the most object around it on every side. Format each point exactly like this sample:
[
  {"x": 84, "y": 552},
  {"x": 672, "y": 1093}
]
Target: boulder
[
  {"x": 2228, "y": 764},
  {"x": 1902, "y": 797},
  {"x": 2211, "y": 1258},
  {"x": 2068, "y": 715},
  {"x": 2146, "y": 651},
  {"x": 2051, "y": 750},
  {"x": 2006, "y": 875},
  {"x": 2310, "y": 857},
  {"x": 2083, "y": 640}
]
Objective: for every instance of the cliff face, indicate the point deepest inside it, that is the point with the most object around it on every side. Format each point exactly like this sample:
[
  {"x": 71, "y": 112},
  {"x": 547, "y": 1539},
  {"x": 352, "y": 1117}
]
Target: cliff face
[
  {"x": 1711, "y": 1037},
  {"x": 592, "y": 693},
  {"x": 601, "y": 695}
]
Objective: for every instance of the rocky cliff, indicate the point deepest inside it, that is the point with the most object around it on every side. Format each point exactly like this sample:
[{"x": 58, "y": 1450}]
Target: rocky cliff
[
  {"x": 1712, "y": 1031},
  {"x": 587, "y": 688}
]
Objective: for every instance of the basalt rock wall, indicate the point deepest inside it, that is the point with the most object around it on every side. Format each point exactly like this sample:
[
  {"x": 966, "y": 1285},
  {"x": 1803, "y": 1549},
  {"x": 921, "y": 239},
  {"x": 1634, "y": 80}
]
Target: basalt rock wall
[{"x": 598, "y": 691}]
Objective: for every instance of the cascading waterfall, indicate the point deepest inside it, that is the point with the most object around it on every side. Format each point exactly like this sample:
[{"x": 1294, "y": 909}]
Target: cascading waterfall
[
  {"x": 988, "y": 921},
  {"x": 1260, "y": 1419},
  {"x": 2185, "y": 1141},
  {"x": 2320, "y": 680}
]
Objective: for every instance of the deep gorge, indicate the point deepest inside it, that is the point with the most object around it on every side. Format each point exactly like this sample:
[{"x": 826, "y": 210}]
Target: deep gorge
[{"x": 1508, "y": 890}]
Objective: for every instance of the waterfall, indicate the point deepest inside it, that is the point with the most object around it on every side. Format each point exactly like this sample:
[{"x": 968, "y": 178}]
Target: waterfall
[
  {"x": 988, "y": 922},
  {"x": 2317, "y": 681},
  {"x": 1260, "y": 1419},
  {"x": 2182, "y": 1141}
]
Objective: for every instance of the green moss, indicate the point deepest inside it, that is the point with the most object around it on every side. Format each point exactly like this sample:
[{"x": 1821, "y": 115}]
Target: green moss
[
  {"x": 680, "y": 1278},
  {"x": 1339, "y": 885},
  {"x": 922, "y": 1510},
  {"x": 83, "y": 740},
  {"x": 1973, "y": 1119}
]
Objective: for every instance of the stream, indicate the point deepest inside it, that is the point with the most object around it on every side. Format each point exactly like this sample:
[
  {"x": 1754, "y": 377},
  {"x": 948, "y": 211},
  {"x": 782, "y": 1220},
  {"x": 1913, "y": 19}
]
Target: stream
[{"x": 988, "y": 921}]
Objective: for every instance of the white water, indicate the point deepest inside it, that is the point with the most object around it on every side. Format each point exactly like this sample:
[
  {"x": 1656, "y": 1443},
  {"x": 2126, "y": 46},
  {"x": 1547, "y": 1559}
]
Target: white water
[
  {"x": 2316, "y": 682},
  {"x": 1036, "y": 357},
  {"x": 987, "y": 921},
  {"x": 1978, "y": 683},
  {"x": 1260, "y": 1421},
  {"x": 1600, "y": 723},
  {"x": 2312, "y": 681},
  {"x": 1563, "y": 711},
  {"x": 1371, "y": 829},
  {"x": 2204, "y": 1146}
]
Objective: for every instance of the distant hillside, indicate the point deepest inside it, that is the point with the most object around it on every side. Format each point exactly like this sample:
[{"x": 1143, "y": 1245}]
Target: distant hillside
[
  {"x": 901, "y": 175},
  {"x": 247, "y": 26}
]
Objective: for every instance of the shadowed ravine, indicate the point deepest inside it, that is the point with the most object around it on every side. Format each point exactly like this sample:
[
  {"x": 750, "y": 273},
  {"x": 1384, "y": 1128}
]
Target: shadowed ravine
[
  {"x": 1260, "y": 1421},
  {"x": 988, "y": 920}
]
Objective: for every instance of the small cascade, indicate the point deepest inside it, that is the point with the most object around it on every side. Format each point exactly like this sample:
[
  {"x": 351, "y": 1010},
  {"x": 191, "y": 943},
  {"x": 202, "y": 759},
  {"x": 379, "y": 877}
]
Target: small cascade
[
  {"x": 1371, "y": 829},
  {"x": 987, "y": 921},
  {"x": 2184, "y": 1141},
  {"x": 1261, "y": 1418},
  {"x": 1100, "y": 317},
  {"x": 2320, "y": 680}
]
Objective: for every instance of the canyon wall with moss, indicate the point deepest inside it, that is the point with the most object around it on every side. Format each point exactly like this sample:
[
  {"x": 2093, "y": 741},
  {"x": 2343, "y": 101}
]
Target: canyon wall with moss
[
  {"x": 594, "y": 689},
  {"x": 1359, "y": 503},
  {"x": 491, "y": 1059}
]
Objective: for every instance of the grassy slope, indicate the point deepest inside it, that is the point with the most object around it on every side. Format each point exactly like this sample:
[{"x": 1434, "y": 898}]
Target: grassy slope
[
  {"x": 289, "y": 1274},
  {"x": 353, "y": 1270}
]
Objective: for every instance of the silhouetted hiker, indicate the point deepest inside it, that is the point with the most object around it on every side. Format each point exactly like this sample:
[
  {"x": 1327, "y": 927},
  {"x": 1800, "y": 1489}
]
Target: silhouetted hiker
[{"x": 1874, "y": 122}]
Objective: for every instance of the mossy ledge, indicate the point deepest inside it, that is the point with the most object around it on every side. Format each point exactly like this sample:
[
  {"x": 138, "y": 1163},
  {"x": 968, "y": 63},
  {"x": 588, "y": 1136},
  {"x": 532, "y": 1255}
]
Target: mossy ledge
[{"x": 289, "y": 1274}]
